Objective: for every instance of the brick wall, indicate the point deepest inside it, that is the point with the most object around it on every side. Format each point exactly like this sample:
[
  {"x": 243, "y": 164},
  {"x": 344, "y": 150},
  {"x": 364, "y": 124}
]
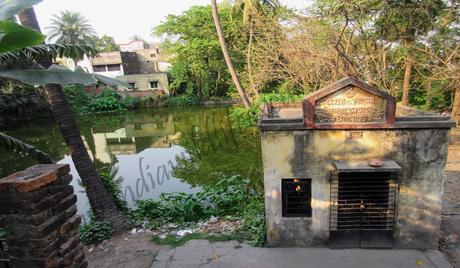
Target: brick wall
[{"x": 38, "y": 211}]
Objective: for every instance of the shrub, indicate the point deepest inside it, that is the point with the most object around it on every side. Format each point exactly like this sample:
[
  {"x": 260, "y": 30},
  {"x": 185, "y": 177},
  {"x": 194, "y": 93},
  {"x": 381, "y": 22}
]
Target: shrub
[
  {"x": 225, "y": 198},
  {"x": 182, "y": 101},
  {"x": 247, "y": 117},
  {"x": 108, "y": 100},
  {"x": 77, "y": 98},
  {"x": 130, "y": 102},
  {"x": 95, "y": 232},
  {"x": 114, "y": 191},
  {"x": 253, "y": 227}
]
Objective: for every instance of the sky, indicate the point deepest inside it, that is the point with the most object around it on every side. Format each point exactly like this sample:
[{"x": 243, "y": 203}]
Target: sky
[{"x": 123, "y": 19}]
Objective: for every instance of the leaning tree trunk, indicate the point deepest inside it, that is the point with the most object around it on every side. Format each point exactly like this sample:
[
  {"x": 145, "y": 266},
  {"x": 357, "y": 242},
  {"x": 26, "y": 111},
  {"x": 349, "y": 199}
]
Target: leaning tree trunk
[
  {"x": 249, "y": 60},
  {"x": 456, "y": 106},
  {"x": 407, "y": 74},
  {"x": 29, "y": 19},
  {"x": 228, "y": 60},
  {"x": 101, "y": 203}
]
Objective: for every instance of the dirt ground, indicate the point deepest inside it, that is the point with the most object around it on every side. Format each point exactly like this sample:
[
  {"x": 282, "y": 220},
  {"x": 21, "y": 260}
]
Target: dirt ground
[
  {"x": 125, "y": 250},
  {"x": 450, "y": 227},
  {"x": 136, "y": 250}
]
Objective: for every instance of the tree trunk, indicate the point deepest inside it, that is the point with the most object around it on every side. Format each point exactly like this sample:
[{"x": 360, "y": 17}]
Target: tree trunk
[
  {"x": 407, "y": 75},
  {"x": 101, "y": 203},
  {"x": 249, "y": 56},
  {"x": 456, "y": 106},
  {"x": 429, "y": 94},
  {"x": 228, "y": 60},
  {"x": 29, "y": 19}
]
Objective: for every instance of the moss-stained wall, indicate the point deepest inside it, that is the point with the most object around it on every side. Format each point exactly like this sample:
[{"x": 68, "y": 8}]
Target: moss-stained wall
[{"x": 421, "y": 153}]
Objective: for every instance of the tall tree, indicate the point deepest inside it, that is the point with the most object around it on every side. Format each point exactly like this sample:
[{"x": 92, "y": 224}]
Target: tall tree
[
  {"x": 405, "y": 21},
  {"x": 104, "y": 43},
  {"x": 253, "y": 10},
  {"x": 101, "y": 203},
  {"x": 228, "y": 60},
  {"x": 70, "y": 28}
]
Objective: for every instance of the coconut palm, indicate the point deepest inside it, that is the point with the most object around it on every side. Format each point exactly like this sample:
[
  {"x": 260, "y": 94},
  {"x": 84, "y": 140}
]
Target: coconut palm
[
  {"x": 70, "y": 28},
  {"x": 251, "y": 10},
  {"x": 228, "y": 60},
  {"x": 101, "y": 203}
]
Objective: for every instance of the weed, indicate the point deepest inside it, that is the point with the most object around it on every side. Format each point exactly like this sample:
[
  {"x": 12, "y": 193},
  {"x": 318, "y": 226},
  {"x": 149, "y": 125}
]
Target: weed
[{"x": 95, "y": 232}]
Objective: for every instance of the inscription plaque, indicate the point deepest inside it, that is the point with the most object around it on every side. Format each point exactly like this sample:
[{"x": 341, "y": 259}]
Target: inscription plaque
[{"x": 349, "y": 103}]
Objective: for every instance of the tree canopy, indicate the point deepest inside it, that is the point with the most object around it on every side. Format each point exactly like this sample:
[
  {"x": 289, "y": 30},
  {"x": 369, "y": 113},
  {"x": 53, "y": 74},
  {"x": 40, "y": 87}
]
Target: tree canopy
[{"x": 70, "y": 28}]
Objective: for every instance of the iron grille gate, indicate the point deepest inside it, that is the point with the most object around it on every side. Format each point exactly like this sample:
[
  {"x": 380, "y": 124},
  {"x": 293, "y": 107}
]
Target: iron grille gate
[{"x": 363, "y": 209}]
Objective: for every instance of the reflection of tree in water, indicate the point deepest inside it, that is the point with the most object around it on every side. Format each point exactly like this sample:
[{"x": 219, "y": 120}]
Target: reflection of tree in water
[{"x": 217, "y": 150}]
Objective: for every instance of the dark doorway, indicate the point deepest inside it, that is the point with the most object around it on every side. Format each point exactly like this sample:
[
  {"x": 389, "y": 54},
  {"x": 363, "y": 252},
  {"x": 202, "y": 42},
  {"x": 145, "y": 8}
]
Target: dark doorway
[{"x": 363, "y": 209}]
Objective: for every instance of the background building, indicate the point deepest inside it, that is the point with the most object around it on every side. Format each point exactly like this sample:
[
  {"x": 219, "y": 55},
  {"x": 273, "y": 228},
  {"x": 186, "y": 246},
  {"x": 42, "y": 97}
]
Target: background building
[{"x": 139, "y": 64}]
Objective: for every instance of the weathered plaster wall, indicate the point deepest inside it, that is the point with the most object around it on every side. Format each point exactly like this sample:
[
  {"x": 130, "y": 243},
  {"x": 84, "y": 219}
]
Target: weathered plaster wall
[
  {"x": 142, "y": 81},
  {"x": 422, "y": 155}
]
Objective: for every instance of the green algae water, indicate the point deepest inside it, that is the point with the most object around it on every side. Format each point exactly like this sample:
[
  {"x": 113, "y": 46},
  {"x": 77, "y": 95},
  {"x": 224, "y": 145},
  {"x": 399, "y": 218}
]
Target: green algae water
[{"x": 149, "y": 152}]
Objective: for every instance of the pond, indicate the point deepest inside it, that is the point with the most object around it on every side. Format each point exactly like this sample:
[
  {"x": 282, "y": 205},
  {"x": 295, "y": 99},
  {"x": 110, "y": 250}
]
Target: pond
[{"x": 149, "y": 152}]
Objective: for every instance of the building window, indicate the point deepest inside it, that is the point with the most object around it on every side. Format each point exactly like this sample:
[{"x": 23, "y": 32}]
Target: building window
[
  {"x": 154, "y": 84},
  {"x": 100, "y": 68},
  {"x": 158, "y": 51},
  {"x": 113, "y": 67},
  {"x": 132, "y": 85},
  {"x": 152, "y": 55},
  {"x": 296, "y": 197}
]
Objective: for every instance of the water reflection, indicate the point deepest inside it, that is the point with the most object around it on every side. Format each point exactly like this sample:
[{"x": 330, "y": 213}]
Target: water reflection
[{"x": 152, "y": 151}]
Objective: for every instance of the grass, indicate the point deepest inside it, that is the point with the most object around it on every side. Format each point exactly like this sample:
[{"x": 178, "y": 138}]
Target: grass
[{"x": 173, "y": 241}]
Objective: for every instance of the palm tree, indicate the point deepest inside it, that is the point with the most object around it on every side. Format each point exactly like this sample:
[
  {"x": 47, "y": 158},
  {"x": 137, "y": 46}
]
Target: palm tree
[
  {"x": 70, "y": 28},
  {"x": 251, "y": 10},
  {"x": 101, "y": 203},
  {"x": 228, "y": 60}
]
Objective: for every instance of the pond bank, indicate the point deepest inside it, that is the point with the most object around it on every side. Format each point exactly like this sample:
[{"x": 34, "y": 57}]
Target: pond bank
[{"x": 129, "y": 250}]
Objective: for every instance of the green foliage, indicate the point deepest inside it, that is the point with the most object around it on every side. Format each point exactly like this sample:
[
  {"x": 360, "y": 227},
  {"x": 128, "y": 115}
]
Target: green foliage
[
  {"x": 14, "y": 36},
  {"x": 253, "y": 227},
  {"x": 2, "y": 233},
  {"x": 107, "y": 101},
  {"x": 198, "y": 67},
  {"x": 70, "y": 28},
  {"x": 77, "y": 98},
  {"x": 95, "y": 232},
  {"x": 114, "y": 191},
  {"x": 14, "y": 144},
  {"x": 227, "y": 197},
  {"x": 130, "y": 102},
  {"x": 244, "y": 117},
  {"x": 247, "y": 117},
  {"x": 182, "y": 101},
  {"x": 104, "y": 43}
]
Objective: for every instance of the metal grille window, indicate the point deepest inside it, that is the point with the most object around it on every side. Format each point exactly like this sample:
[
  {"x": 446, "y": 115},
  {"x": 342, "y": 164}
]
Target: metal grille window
[{"x": 296, "y": 196}]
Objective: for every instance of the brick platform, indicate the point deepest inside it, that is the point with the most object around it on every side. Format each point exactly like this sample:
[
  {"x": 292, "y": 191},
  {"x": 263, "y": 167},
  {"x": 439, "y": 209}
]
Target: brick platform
[{"x": 38, "y": 212}]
